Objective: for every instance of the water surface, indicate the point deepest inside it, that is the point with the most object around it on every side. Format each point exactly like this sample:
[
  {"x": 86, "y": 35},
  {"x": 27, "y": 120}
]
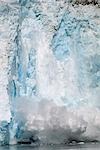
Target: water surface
[{"x": 74, "y": 147}]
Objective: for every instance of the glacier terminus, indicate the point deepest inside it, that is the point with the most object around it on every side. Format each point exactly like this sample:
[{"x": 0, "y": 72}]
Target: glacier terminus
[{"x": 49, "y": 71}]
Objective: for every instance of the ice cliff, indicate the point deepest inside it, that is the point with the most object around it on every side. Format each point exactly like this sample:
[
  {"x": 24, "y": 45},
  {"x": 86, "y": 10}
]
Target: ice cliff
[{"x": 49, "y": 71}]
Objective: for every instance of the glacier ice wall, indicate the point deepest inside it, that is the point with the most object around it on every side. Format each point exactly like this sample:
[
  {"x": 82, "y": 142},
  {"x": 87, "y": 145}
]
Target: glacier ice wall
[{"x": 50, "y": 71}]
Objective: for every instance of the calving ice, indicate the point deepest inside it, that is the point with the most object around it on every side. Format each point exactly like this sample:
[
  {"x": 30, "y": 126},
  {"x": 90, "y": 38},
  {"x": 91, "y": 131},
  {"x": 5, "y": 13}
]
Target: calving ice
[{"x": 49, "y": 71}]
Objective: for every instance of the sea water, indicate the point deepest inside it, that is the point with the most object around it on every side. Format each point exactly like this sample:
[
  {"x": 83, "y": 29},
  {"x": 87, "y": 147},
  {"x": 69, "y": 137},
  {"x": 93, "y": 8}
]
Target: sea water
[{"x": 54, "y": 147}]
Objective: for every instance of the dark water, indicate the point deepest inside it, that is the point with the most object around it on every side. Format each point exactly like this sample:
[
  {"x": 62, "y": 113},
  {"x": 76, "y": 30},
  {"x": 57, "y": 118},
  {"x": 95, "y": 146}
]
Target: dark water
[{"x": 78, "y": 147}]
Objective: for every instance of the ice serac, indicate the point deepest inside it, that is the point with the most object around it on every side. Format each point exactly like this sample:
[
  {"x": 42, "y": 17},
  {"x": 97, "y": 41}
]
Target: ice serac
[
  {"x": 50, "y": 71},
  {"x": 8, "y": 26}
]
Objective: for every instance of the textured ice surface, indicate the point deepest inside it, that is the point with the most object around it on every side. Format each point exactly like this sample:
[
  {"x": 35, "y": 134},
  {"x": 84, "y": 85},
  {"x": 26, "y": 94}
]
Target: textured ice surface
[{"x": 49, "y": 71}]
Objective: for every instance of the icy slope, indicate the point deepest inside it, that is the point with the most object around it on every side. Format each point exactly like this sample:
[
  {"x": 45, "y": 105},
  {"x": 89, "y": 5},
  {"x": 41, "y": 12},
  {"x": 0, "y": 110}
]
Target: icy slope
[{"x": 50, "y": 71}]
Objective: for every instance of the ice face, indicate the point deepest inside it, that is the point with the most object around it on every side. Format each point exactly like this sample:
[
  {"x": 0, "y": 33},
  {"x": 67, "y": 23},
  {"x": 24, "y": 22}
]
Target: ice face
[{"x": 50, "y": 71}]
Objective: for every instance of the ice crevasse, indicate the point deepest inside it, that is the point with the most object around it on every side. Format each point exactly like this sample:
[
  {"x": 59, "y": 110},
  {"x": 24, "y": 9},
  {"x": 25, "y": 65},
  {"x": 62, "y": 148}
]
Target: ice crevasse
[{"x": 49, "y": 71}]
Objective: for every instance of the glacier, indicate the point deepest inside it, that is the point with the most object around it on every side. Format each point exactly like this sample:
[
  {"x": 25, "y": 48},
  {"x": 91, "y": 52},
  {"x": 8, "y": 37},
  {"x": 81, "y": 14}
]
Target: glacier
[{"x": 49, "y": 71}]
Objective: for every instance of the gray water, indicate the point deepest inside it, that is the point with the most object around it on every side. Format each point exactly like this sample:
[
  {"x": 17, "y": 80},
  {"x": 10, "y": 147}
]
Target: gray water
[{"x": 77, "y": 147}]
